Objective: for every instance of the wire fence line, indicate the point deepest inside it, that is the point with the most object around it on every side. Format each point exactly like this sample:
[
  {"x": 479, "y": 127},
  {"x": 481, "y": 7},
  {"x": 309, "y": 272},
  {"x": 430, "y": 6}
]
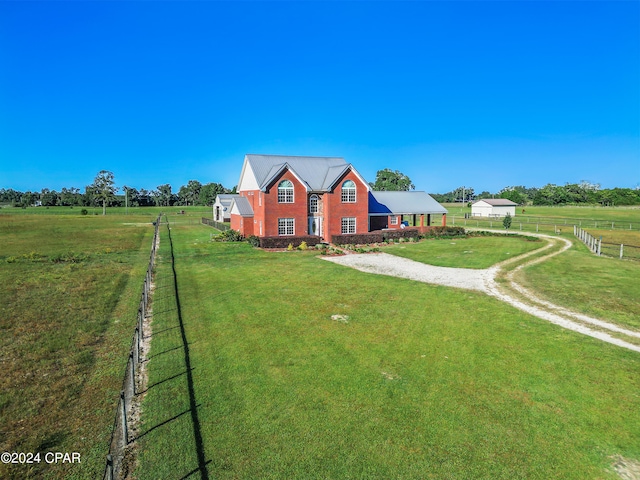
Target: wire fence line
[
  {"x": 600, "y": 248},
  {"x": 116, "y": 465},
  {"x": 529, "y": 221},
  {"x": 212, "y": 223}
]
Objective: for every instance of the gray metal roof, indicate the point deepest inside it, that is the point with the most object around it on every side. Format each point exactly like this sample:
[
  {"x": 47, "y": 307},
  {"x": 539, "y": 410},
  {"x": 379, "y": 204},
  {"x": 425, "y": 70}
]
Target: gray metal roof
[
  {"x": 243, "y": 206},
  {"x": 318, "y": 173},
  {"x": 403, "y": 203},
  {"x": 226, "y": 198},
  {"x": 497, "y": 202}
]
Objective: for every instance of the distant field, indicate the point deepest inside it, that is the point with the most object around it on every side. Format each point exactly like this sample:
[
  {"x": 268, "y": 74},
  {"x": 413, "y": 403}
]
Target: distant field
[
  {"x": 622, "y": 217},
  {"x": 68, "y": 302},
  {"x": 153, "y": 211}
]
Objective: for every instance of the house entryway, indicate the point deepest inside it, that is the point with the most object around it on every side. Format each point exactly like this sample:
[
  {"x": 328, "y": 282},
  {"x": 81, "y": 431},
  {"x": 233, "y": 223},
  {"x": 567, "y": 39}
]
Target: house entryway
[{"x": 315, "y": 226}]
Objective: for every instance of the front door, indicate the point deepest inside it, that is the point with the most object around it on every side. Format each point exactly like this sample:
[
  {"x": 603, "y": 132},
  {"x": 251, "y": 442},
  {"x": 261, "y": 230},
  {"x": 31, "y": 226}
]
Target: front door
[{"x": 315, "y": 226}]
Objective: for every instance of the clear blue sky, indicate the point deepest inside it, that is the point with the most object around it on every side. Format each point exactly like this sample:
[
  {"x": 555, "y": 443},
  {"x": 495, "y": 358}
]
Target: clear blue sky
[{"x": 481, "y": 94}]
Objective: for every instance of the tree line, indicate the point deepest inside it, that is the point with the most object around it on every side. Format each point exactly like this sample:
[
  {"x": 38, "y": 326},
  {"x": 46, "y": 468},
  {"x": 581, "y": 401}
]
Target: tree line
[
  {"x": 569, "y": 194},
  {"x": 585, "y": 193},
  {"x": 103, "y": 192}
]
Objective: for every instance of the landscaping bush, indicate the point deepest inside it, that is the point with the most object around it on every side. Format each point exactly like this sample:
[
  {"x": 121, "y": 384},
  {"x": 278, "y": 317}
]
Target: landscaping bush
[
  {"x": 283, "y": 242},
  {"x": 398, "y": 234},
  {"x": 435, "y": 232},
  {"x": 229, "y": 236},
  {"x": 357, "y": 239},
  {"x": 253, "y": 240}
]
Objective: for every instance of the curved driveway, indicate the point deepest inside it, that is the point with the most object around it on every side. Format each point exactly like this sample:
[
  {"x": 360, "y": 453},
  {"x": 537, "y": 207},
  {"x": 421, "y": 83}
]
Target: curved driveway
[{"x": 484, "y": 281}]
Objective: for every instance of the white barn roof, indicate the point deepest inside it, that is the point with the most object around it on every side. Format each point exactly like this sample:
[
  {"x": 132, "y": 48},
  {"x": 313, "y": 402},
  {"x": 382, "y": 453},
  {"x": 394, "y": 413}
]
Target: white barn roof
[{"x": 497, "y": 202}]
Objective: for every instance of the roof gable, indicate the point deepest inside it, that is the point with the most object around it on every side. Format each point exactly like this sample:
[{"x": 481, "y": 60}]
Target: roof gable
[
  {"x": 316, "y": 173},
  {"x": 241, "y": 206},
  {"x": 225, "y": 199}
]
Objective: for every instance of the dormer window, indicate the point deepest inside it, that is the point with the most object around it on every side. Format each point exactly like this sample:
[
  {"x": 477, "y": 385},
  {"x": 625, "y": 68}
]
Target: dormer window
[
  {"x": 285, "y": 192},
  {"x": 349, "y": 192}
]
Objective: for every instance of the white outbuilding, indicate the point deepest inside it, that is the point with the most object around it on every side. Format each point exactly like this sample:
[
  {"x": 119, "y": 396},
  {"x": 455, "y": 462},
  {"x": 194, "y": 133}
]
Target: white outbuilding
[
  {"x": 222, "y": 207},
  {"x": 493, "y": 208}
]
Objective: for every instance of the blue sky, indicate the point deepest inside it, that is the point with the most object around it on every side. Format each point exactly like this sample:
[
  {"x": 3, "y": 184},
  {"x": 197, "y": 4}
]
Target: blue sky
[{"x": 481, "y": 94}]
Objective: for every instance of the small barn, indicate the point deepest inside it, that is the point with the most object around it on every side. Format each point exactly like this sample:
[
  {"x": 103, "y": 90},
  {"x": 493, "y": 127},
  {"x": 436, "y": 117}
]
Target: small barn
[
  {"x": 222, "y": 207},
  {"x": 493, "y": 208}
]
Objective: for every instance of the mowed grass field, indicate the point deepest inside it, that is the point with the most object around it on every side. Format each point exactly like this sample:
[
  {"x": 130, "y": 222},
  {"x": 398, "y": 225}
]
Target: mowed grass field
[
  {"x": 472, "y": 252},
  {"x": 417, "y": 381},
  {"x": 70, "y": 287}
]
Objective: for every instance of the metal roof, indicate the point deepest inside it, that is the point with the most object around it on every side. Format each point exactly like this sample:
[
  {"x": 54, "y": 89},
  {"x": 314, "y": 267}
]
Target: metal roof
[
  {"x": 226, "y": 198},
  {"x": 497, "y": 202},
  {"x": 318, "y": 173},
  {"x": 242, "y": 206},
  {"x": 403, "y": 203}
]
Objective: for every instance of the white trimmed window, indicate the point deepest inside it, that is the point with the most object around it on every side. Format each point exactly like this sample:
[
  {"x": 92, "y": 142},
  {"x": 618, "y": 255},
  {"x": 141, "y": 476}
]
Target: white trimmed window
[
  {"x": 285, "y": 192},
  {"x": 348, "y": 225},
  {"x": 394, "y": 220},
  {"x": 286, "y": 226},
  {"x": 313, "y": 204},
  {"x": 349, "y": 192}
]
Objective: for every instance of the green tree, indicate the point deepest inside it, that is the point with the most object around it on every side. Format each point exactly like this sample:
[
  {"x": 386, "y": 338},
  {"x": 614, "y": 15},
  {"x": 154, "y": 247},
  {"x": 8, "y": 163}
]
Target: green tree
[
  {"x": 392, "y": 180},
  {"x": 510, "y": 193},
  {"x": 506, "y": 221},
  {"x": 209, "y": 192},
  {"x": 104, "y": 189},
  {"x": 163, "y": 195}
]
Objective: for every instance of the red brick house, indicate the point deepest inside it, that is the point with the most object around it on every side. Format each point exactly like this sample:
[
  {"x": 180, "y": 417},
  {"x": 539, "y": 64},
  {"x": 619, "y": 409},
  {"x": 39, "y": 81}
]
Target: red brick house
[{"x": 300, "y": 196}]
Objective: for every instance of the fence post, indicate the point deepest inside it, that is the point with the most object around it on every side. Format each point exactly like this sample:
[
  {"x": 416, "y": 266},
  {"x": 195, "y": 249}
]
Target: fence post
[
  {"x": 125, "y": 431},
  {"x": 621, "y": 250},
  {"x": 109, "y": 467},
  {"x": 600, "y": 247},
  {"x": 133, "y": 373}
]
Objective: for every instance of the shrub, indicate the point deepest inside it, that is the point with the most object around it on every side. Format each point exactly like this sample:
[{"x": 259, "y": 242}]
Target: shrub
[
  {"x": 303, "y": 246},
  {"x": 358, "y": 239},
  {"x": 290, "y": 247},
  {"x": 229, "y": 236},
  {"x": 398, "y": 234},
  {"x": 84, "y": 211},
  {"x": 436, "y": 232},
  {"x": 283, "y": 242},
  {"x": 253, "y": 240}
]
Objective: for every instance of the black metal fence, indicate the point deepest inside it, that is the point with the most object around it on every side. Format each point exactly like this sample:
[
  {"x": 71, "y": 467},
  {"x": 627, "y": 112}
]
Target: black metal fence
[
  {"x": 212, "y": 223},
  {"x": 116, "y": 465}
]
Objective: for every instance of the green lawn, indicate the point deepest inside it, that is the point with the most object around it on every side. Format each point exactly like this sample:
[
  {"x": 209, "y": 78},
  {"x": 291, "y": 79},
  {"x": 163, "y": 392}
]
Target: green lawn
[
  {"x": 472, "y": 252},
  {"x": 420, "y": 382},
  {"x": 68, "y": 302}
]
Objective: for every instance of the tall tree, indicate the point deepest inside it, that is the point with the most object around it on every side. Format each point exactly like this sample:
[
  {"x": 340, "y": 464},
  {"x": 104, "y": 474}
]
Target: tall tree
[
  {"x": 164, "y": 195},
  {"x": 392, "y": 180},
  {"x": 104, "y": 188},
  {"x": 209, "y": 192}
]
